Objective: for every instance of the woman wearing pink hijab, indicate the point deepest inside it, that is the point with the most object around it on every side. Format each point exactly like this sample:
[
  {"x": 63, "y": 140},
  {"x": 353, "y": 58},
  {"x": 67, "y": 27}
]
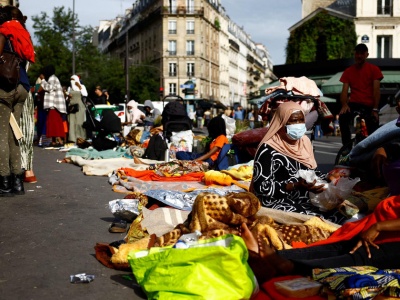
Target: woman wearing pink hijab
[{"x": 284, "y": 151}]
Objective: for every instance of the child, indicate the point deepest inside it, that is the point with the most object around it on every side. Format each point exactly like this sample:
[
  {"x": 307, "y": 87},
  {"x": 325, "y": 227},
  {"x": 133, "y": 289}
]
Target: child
[{"x": 217, "y": 134}]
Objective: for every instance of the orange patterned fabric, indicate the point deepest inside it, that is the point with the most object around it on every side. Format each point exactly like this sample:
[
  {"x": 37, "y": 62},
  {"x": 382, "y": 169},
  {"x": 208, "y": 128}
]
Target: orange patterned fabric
[{"x": 149, "y": 175}]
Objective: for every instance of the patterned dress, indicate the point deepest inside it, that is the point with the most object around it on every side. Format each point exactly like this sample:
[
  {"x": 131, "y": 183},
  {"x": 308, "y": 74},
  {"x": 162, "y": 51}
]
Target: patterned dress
[{"x": 272, "y": 171}]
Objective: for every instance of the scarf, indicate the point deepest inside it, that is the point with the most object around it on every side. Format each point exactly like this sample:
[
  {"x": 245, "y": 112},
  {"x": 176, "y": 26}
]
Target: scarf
[
  {"x": 19, "y": 38},
  {"x": 301, "y": 150}
]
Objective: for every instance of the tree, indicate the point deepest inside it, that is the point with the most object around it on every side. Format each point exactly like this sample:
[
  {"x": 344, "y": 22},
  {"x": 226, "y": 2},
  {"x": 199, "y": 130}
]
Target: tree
[
  {"x": 324, "y": 37},
  {"x": 54, "y": 46}
]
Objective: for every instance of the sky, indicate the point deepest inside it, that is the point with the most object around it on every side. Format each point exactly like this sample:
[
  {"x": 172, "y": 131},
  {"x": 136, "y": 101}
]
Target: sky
[{"x": 266, "y": 21}]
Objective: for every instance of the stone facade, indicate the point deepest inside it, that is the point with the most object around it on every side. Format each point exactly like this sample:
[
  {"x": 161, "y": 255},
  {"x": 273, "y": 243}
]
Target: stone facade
[{"x": 187, "y": 41}]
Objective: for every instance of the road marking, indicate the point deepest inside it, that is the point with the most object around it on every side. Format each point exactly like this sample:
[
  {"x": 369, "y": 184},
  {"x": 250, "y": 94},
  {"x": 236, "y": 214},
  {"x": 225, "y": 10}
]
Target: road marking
[{"x": 323, "y": 152}]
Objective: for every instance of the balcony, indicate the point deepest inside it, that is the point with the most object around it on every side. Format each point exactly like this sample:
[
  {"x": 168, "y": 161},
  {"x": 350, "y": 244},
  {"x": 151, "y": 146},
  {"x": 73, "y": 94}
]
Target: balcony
[
  {"x": 172, "y": 74},
  {"x": 190, "y": 74},
  {"x": 172, "y": 52},
  {"x": 190, "y": 31},
  {"x": 172, "y": 31},
  {"x": 183, "y": 10},
  {"x": 189, "y": 53}
]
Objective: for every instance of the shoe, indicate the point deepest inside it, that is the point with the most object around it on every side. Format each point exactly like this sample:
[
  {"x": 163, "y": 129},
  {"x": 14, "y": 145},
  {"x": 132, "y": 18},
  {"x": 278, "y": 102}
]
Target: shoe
[
  {"x": 5, "y": 186},
  {"x": 30, "y": 179},
  {"x": 18, "y": 184},
  {"x": 118, "y": 227}
]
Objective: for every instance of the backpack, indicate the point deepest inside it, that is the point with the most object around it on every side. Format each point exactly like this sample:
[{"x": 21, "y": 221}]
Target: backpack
[
  {"x": 156, "y": 148},
  {"x": 229, "y": 156}
]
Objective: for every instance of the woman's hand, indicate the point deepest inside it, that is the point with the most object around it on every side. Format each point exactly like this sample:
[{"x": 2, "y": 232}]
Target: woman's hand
[
  {"x": 367, "y": 239},
  {"x": 311, "y": 187},
  {"x": 378, "y": 160}
]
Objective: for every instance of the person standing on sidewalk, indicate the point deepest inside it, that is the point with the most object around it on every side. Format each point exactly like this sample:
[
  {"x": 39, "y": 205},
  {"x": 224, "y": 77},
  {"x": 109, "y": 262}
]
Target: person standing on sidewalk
[{"x": 363, "y": 79}]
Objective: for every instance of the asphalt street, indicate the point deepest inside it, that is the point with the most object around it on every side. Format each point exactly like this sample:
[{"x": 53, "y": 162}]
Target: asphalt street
[{"x": 50, "y": 232}]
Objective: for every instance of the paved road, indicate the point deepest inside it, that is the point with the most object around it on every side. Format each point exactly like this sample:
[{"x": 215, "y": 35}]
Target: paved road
[{"x": 49, "y": 233}]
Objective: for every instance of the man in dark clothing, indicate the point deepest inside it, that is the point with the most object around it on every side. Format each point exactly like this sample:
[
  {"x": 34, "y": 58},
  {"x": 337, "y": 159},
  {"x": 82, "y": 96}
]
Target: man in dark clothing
[{"x": 100, "y": 97}]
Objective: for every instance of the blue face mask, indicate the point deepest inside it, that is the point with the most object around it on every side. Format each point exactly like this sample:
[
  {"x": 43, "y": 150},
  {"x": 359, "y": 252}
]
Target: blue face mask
[{"x": 296, "y": 131}]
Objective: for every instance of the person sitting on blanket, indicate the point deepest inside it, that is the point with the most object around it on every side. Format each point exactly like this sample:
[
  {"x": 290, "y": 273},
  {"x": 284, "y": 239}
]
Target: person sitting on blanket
[
  {"x": 217, "y": 139},
  {"x": 284, "y": 151},
  {"x": 371, "y": 241},
  {"x": 379, "y": 155}
]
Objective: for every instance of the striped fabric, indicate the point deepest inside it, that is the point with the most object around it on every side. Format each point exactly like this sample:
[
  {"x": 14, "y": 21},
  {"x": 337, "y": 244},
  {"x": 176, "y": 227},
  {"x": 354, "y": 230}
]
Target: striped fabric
[{"x": 28, "y": 130}]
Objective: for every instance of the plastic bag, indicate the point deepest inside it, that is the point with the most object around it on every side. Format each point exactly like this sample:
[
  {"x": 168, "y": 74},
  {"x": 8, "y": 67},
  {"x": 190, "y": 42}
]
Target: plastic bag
[
  {"x": 209, "y": 269},
  {"x": 335, "y": 194},
  {"x": 230, "y": 124},
  {"x": 125, "y": 209}
]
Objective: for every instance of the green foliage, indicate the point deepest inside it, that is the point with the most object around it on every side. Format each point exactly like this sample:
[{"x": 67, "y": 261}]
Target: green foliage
[
  {"x": 324, "y": 37},
  {"x": 54, "y": 43}
]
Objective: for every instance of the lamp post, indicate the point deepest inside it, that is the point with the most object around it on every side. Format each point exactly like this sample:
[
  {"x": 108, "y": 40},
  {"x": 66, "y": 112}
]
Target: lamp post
[
  {"x": 73, "y": 37},
  {"x": 127, "y": 66},
  {"x": 161, "y": 70}
]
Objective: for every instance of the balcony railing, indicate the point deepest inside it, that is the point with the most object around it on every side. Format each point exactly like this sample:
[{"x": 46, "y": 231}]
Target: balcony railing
[
  {"x": 189, "y": 52},
  {"x": 172, "y": 31},
  {"x": 190, "y": 74},
  {"x": 172, "y": 74},
  {"x": 190, "y": 31},
  {"x": 183, "y": 10},
  {"x": 172, "y": 52}
]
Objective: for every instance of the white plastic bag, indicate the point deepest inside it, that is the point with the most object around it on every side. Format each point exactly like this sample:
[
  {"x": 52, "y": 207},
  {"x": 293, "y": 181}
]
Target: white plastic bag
[
  {"x": 230, "y": 124},
  {"x": 125, "y": 209},
  {"x": 335, "y": 194}
]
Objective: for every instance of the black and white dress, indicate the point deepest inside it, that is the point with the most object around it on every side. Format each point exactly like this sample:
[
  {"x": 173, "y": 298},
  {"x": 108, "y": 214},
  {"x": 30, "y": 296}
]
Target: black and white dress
[{"x": 272, "y": 171}]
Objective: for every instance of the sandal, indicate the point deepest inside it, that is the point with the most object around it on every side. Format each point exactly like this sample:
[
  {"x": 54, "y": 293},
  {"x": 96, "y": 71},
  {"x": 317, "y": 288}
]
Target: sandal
[{"x": 118, "y": 227}]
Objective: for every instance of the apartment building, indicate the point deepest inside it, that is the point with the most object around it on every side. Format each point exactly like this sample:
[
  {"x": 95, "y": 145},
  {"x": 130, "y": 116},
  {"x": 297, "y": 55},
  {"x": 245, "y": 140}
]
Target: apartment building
[
  {"x": 377, "y": 22},
  {"x": 187, "y": 41},
  {"x": 9, "y": 2}
]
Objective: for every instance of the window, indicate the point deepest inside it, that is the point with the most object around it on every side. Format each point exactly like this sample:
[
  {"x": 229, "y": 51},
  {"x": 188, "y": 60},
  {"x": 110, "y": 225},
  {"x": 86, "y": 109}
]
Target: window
[
  {"x": 190, "y": 69},
  {"x": 190, "y": 27},
  {"x": 189, "y": 47},
  {"x": 172, "y": 27},
  {"x": 172, "y": 88},
  {"x": 190, "y": 6},
  {"x": 384, "y": 44},
  {"x": 384, "y": 7},
  {"x": 172, "y": 69},
  {"x": 172, "y": 47},
  {"x": 172, "y": 5}
]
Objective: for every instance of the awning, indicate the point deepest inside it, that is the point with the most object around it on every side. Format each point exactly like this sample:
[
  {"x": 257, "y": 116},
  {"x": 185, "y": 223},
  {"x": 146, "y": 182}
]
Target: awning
[
  {"x": 268, "y": 85},
  {"x": 334, "y": 86},
  {"x": 327, "y": 99}
]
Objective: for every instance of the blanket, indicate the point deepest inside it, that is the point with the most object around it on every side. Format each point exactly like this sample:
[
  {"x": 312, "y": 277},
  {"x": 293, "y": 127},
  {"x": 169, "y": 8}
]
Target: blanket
[
  {"x": 215, "y": 215},
  {"x": 388, "y": 209}
]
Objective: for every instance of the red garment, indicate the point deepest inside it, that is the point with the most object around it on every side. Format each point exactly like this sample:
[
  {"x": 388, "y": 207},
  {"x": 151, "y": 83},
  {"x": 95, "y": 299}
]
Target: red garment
[
  {"x": 150, "y": 175},
  {"x": 20, "y": 39},
  {"x": 388, "y": 209},
  {"x": 54, "y": 124},
  {"x": 361, "y": 82}
]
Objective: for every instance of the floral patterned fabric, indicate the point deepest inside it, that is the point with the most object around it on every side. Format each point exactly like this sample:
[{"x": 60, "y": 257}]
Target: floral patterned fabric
[{"x": 362, "y": 282}]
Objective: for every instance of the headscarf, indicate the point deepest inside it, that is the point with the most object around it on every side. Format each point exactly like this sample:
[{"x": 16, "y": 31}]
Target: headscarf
[
  {"x": 134, "y": 116},
  {"x": 216, "y": 127},
  {"x": 75, "y": 78},
  {"x": 301, "y": 150},
  {"x": 47, "y": 71}
]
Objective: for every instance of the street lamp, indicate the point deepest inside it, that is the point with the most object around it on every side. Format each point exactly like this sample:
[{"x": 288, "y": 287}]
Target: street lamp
[
  {"x": 73, "y": 37},
  {"x": 161, "y": 70}
]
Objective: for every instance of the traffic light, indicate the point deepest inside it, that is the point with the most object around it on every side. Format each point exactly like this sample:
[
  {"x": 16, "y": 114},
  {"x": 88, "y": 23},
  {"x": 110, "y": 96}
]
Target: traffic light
[{"x": 161, "y": 92}]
